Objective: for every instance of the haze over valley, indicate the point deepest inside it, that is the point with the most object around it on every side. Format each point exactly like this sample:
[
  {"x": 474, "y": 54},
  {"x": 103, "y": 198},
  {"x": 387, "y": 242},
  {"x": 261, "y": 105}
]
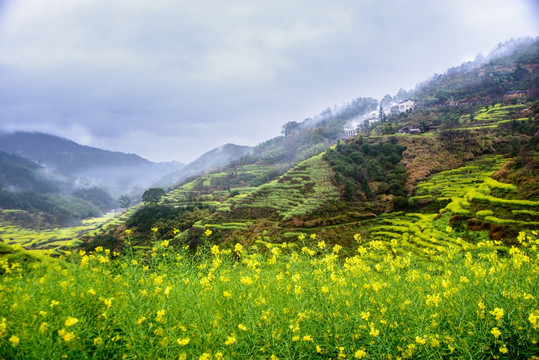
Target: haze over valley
[{"x": 176, "y": 183}]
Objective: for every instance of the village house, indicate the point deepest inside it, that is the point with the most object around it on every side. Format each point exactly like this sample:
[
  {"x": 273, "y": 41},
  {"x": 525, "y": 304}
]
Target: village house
[
  {"x": 515, "y": 94},
  {"x": 405, "y": 106},
  {"x": 373, "y": 117},
  {"x": 351, "y": 132},
  {"x": 409, "y": 129}
]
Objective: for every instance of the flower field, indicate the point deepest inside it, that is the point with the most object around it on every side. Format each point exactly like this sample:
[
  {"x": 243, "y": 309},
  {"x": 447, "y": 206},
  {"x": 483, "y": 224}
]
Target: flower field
[{"x": 268, "y": 301}]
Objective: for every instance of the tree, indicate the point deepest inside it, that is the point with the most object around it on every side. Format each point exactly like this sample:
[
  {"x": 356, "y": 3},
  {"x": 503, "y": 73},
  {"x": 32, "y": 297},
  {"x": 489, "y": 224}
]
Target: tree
[
  {"x": 386, "y": 100},
  {"x": 381, "y": 114},
  {"x": 124, "y": 201},
  {"x": 289, "y": 127},
  {"x": 153, "y": 195}
]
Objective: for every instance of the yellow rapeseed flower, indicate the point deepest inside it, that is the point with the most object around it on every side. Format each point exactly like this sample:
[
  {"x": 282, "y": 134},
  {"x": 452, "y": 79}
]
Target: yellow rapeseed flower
[
  {"x": 313, "y": 236},
  {"x": 43, "y": 328},
  {"x": 230, "y": 340},
  {"x": 246, "y": 280},
  {"x": 154, "y": 229},
  {"x": 496, "y": 332},
  {"x": 238, "y": 249},
  {"x": 503, "y": 349},
  {"x": 365, "y": 315},
  {"x": 242, "y": 327},
  {"x": 71, "y": 321},
  {"x": 183, "y": 342},
  {"x": 67, "y": 336},
  {"x": 360, "y": 354},
  {"x": 208, "y": 232},
  {"x": 98, "y": 341},
  {"x": 14, "y": 339},
  {"x": 534, "y": 319},
  {"x": 497, "y": 312},
  {"x": 227, "y": 294}
]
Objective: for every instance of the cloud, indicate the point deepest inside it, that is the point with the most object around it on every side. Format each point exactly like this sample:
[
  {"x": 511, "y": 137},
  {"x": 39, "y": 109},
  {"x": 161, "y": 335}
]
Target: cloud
[{"x": 171, "y": 79}]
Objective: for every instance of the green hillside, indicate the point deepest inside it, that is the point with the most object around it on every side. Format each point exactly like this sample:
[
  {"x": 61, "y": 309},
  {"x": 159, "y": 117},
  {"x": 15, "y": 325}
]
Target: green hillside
[{"x": 382, "y": 245}]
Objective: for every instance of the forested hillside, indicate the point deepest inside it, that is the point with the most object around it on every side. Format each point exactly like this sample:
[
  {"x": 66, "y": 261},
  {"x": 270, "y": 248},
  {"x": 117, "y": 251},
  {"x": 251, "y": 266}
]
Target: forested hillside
[{"x": 310, "y": 179}]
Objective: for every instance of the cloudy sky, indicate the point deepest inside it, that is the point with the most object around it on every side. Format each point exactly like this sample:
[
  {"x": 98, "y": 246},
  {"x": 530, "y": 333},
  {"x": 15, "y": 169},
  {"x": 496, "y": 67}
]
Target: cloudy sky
[{"x": 171, "y": 79}]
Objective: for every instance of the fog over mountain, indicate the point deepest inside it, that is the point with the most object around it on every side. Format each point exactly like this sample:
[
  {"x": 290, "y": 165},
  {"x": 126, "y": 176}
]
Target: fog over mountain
[
  {"x": 86, "y": 166},
  {"x": 171, "y": 80}
]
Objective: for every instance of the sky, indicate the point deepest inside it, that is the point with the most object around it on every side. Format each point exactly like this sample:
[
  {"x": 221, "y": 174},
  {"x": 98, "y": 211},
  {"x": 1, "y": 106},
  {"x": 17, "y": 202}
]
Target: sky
[{"x": 172, "y": 79}]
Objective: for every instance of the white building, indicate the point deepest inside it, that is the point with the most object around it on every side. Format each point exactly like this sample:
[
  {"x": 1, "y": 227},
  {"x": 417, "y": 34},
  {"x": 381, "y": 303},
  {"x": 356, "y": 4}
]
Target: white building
[
  {"x": 351, "y": 132},
  {"x": 406, "y": 105}
]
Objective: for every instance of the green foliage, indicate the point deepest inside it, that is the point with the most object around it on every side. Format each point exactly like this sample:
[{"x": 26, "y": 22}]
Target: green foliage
[
  {"x": 124, "y": 201},
  {"x": 153, "y": 195},
  {"x": 362, "y": 164},
  {"x": 167, "y": 219},
  {"x": 145, "y": 217}
]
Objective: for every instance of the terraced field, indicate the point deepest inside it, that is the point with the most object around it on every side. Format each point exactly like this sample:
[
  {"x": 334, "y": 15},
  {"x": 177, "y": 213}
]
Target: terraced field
[
  {"x": 213, "y": 189},
  {"x": 52, "y": 239},
  {"x": 471, "y": 204},
  {"x": 495, "y": 116},
  {"x": 303, "y": 189}
]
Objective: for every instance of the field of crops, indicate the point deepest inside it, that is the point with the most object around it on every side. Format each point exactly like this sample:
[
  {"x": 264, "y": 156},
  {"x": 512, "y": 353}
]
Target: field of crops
[
  {"x": 273, "y": 301},
  {"x": 50, "y": 239},
  {"x": 303, "y": 189}
]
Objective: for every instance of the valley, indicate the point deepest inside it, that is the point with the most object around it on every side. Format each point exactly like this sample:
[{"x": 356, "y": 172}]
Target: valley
[{"x": 412, "y": 235}]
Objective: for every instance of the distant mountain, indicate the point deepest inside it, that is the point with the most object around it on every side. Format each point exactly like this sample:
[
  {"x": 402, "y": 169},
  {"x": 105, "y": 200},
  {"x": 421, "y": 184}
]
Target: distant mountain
[
  {"x": 44, "y": 199},
  {"x": 219, "y": 156},
  {"x": 21, "y": 174},
  {"x": 65, "y": 155},
  {"x": 118, "y": 172}
]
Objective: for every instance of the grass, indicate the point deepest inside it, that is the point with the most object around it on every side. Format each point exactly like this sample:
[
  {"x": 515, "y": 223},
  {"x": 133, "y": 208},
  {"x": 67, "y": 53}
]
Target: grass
[{"x": 280, "y": 302}]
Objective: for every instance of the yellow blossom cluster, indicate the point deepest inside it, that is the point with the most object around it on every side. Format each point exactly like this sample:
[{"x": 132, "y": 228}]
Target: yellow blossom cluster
[{"x": 313, "y": 300}]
